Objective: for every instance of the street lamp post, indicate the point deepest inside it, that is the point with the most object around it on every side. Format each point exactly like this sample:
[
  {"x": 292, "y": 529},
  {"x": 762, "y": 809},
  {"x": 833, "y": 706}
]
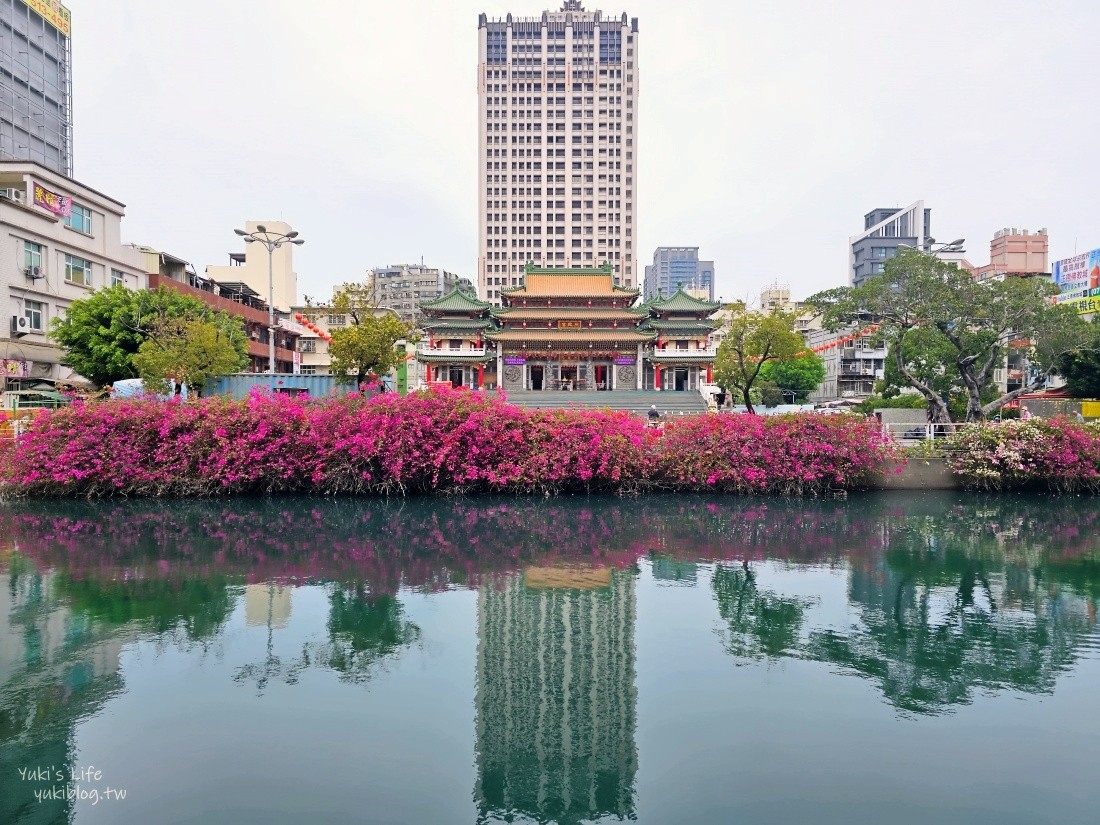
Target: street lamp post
[{"x": 272, "y": 241}]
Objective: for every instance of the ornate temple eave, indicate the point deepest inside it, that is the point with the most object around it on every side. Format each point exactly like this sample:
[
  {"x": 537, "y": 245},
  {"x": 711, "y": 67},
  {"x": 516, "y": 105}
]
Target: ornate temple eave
[{"x": 580, "y": 336}]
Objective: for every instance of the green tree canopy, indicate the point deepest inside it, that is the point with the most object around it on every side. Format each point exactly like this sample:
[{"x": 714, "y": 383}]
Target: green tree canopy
[
  {"x": 102, "y": 333},
  {"x": 368, "y": 345},
  {"x": 1081, "y": 369},
  {"x": 752, "y": 340},
  {"x": 800, "y": 375},
  {"x": 191, "y": 351},
  {"x": 977, "y": 324}
]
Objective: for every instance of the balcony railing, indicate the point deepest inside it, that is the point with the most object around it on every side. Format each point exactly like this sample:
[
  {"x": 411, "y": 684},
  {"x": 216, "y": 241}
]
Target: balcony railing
[
  {"x": 424, "y": 349},
  {"x": 671, "y": 354}
]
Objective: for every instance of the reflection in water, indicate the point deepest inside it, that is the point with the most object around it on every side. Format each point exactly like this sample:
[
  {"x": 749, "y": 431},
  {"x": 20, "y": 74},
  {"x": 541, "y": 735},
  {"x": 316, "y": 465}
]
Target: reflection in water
[
  {"x": 556, "y": 704},
  {"x": 945, "y": 597}
]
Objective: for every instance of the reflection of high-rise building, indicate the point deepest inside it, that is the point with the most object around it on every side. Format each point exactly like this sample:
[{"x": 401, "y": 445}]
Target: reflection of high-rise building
[{"x": 556, "y": 700}]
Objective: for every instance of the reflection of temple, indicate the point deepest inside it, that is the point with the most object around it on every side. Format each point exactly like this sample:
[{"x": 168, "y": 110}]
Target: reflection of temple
[
  {"x": 267, "y": 604},
  {"x": 556, "y": 700}
]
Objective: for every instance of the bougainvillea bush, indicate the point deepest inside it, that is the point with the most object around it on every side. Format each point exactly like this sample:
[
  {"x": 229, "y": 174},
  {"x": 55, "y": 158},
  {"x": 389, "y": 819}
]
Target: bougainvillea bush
[
  {"x": 1058, "y": 455},
  {"x": 451, "y": 442}
]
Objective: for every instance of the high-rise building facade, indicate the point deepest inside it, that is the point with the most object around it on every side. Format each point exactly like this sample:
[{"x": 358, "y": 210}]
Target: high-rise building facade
[
  {"x": 676, "y": 267},
  {"x": 557, "y": 144},
  {"x": 36, "y": 83},
  {"x": 884, "y": 230},
  {"x": 403, "y": 287}
]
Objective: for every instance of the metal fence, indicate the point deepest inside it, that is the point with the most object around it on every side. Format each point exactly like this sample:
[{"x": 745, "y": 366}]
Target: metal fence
[{"x": 914, "y": 433}]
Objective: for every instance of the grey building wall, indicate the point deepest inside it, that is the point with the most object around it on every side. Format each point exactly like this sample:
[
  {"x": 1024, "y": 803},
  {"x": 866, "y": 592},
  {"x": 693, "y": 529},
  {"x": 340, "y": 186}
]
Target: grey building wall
[
  {"x": 870, "y": 252},
  {"x": 676, "y": 266},
  {"x": 35, "y": 89}
]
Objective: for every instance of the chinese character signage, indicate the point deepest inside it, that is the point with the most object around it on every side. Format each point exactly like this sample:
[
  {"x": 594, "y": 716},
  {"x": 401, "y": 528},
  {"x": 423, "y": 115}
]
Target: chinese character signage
[
  {"x": 51, "y": 201},
  {"x": 569, "y": 324},
  {"x": 14, "y": 369},
  {"x": 1084, "y": 305},
  {"x": 514, "y": 361},
  {"x": 1079, "y": 272},
  {"x": 54, "y": 13}
]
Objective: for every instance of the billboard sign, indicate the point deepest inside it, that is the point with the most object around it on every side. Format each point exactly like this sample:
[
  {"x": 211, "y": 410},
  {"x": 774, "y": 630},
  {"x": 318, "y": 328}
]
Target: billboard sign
[
  {"x": 60, "y": 205},
  {"x": 54, "y": 13},
  {"x": 1079, "y": 272},
  {"x": 1084, "y": 306}
]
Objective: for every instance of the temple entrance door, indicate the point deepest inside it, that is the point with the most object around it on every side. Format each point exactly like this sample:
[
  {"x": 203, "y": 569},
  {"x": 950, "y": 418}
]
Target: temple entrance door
[
  {"x": 600, "y": 371},
  {"x": 456, "y": 376},
  {"x": 569, "y": 377},
  {"x": 680, "y": 378},
  {"x": 537, "y": 376}
]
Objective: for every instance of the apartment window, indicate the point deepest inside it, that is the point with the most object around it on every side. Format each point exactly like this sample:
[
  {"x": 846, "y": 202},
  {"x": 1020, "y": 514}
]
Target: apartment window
[
  {"x": 308, "y": 369},
  {"x": 35, "y": 313},
  {"x": 78, "y": 270},
  {"x": 878, "y": 251},
  {"x": 32, "y": 255},
  {"x": 307, "y": 345},
  {"x": 80, "y": 219},
  {"x": 337, "y": 320},
  {"x": 118, "y": 277}
]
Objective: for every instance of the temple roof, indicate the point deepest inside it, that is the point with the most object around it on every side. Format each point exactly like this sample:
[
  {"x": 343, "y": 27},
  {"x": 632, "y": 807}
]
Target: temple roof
[
  {"x": 455, "y": 301},
  {"x": 456, "y": 323},
  {"x": 571, "y": 335},
  {"x": 519, "y": 313},
  {"x": 680, "y": 301},
  {"x": 689, "y": 325},
  {"x": 578, "y": 282}
]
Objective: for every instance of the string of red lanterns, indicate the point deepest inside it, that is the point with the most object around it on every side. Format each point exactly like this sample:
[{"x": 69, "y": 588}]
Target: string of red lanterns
[{"x": 312, "y": 327}]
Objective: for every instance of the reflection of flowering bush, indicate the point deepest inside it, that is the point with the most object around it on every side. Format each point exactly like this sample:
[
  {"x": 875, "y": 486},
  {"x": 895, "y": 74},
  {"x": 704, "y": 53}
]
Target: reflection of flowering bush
[
  {"x": 443, "y": 442},
  {"x": 1057, "y": 454}
]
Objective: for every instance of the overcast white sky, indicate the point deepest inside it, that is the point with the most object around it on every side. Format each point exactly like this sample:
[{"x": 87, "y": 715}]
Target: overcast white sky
[{"x": 767, "y": 129}]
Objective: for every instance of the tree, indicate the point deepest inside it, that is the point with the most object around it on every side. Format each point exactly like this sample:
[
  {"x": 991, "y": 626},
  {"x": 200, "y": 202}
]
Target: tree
[
  {"x": 368, "y": 344},
  {"x": 102, "y": 333},
  {"x": 800, "y": 375},
  {"x": 977, "y": 324},
  {"x": 190, "y": 351},
  {"x": 752, "y": 340}
]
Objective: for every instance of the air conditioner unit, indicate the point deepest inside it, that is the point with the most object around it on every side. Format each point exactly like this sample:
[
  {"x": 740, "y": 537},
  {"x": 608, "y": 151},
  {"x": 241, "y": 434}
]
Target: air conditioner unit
[
  {"x": 34, "y": 272},
  {"x": 17, "y": 195},
  {"x": 20, "y": 325}
]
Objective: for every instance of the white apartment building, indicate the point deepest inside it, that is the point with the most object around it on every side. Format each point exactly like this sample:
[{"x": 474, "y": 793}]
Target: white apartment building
[
  {"x": 404, "y": 287},
  {"x": 251, "y": 268},
  {"x": 59, "y": 241},
  {"x": 557, "y": 144}
]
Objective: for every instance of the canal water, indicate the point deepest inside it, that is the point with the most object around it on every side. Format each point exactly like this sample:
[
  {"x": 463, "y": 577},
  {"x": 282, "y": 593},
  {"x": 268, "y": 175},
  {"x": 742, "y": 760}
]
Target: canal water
[{"x": 887, "y": 658}]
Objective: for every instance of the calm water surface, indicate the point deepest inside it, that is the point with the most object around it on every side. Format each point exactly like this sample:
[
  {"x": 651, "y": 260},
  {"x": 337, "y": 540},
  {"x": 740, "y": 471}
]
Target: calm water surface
[{"x": 886, "y": 659}]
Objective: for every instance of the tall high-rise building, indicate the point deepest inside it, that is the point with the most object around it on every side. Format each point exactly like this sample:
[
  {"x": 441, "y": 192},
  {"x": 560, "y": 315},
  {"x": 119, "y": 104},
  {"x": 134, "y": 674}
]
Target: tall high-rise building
[
  {"x": 557, "y": 144},
  {"x": 36, "y": 83},
  {"x": 676, "y": 267},
  {"x": 884, "y": 230}
]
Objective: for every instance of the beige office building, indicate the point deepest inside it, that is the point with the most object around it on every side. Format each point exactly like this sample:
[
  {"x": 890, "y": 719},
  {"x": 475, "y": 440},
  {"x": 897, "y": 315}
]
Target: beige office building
[
  {"x": 251, "y": 268},
  {"x": 557, "y": 146}
]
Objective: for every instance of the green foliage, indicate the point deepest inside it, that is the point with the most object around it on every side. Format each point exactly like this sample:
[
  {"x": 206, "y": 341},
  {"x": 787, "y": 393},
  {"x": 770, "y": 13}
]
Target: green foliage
[
  {"x": 800, "y": 375},
  {"x": 905, "y": 401},
  {"x": 927, "y": 354},
  {"x": 102, "y": 333},
  {"x": 191, "y": 351},
  {"x": 1081, "y": 368},
  {"x": 368, "y": 347},
  {"x": 752, "y": 340},
  {"x": 969, "y": 325}
]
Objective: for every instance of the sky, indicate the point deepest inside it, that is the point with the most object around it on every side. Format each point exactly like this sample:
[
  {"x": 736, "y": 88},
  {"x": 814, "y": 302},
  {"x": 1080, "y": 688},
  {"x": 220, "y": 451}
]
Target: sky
[{"x": 765, "y": 130}]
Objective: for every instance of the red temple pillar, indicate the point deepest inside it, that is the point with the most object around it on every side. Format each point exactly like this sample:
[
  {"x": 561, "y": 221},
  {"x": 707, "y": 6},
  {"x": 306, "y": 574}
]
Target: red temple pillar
[
  {"x": 708, "y": 374},
  {"x": 656, "y": 376},
  {"x": 480, "y": 376}
]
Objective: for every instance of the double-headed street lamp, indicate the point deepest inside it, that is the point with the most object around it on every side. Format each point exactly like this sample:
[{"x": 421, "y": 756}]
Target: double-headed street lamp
[
  {"x": 929, "y": 243},
  {"x": 271, "y": 240}
]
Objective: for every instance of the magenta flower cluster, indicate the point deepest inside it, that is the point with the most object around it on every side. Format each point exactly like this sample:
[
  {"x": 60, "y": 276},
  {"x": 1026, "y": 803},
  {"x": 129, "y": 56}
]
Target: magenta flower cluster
[
  {"x": 1056, "y": 454},
  {"x": 450, "y": 442}
]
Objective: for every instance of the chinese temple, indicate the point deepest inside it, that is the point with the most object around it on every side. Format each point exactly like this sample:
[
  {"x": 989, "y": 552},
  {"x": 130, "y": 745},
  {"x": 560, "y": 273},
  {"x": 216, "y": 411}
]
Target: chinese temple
[{"x": 569, "y": 329}]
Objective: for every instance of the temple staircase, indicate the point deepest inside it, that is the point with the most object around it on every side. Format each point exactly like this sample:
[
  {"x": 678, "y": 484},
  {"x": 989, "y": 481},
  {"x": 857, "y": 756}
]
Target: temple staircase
[{"x": 635, "y": 401}]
